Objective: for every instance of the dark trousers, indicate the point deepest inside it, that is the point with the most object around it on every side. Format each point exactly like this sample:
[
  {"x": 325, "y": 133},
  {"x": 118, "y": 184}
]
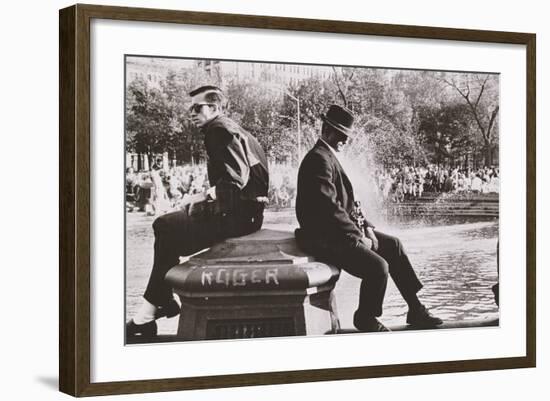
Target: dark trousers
[
  {"x": 373, "y": 268},
  {"x": 182, "y": 234}
]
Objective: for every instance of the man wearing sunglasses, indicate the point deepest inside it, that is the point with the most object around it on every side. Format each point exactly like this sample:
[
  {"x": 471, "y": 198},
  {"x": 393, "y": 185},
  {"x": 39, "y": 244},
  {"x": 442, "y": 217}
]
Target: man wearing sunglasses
[
  {"x": 232, "y": 207},
  {"x": 334, "y": 229}
]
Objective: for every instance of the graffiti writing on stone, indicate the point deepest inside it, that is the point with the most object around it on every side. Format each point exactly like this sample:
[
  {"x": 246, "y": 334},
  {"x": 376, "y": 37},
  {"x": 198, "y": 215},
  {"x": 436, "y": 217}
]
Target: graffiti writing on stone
[{"x": 239, "y": 277}]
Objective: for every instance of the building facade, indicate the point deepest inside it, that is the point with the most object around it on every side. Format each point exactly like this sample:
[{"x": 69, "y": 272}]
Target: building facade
[{"x": 275, "y": 73}]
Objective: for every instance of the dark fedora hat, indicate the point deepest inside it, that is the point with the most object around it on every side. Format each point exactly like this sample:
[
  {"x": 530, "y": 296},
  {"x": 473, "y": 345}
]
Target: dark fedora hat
[{"x": 339, "y": 118}]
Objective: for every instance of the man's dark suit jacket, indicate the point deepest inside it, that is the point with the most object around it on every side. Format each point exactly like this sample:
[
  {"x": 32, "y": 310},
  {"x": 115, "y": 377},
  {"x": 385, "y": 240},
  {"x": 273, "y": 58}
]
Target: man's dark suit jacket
[
  {"x": 325, "y": 199},
  {"x": 237, "y": 164}
]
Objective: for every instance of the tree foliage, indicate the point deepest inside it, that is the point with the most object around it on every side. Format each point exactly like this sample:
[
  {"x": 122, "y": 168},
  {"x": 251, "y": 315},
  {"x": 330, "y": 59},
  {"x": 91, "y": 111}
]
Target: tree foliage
[
  {"x": 402, "y": 117},
  {"x": 147, "y": 118},
  {"x": 257, "y": 108},
  {"x": 479, "y": 92}
]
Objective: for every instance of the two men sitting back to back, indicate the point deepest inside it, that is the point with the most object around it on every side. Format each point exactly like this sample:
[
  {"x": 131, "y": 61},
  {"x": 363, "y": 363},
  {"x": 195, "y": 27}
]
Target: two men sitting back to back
[{"x": 325, "y": 204}]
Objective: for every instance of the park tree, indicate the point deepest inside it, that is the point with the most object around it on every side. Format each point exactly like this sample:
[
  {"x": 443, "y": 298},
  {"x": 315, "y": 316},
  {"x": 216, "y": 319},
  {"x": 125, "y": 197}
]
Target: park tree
[
  {"x": 421, "y": 92},
  {"x": 479, "y": 92},
  {"x": 148, "y": 119},
  {"x": 384, "y": 117},
  {"x": 158, "y": 120},
  {"x": 184, "y": 142},
  {"x": 382, "y": 143},
  {"x": 402, "y": 116},
  {"x": 361, "y": 90},
  {"x": 256, "y": 107},
  {"x": 315, "y": 95},
  {"x": 446, "y": 132}
]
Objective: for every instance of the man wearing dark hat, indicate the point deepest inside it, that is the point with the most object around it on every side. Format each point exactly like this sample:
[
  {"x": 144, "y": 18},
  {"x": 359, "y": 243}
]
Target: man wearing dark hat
[
  {"x": 331, "y": 230},
  {"x": 238, "y": 175}
]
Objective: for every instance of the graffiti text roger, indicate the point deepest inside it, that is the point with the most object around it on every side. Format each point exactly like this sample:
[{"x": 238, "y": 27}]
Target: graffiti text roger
[{"x": 239, "y": 277}]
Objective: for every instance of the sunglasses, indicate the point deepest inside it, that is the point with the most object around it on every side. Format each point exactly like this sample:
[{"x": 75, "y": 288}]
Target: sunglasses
[{"x": 197, "y": 107}]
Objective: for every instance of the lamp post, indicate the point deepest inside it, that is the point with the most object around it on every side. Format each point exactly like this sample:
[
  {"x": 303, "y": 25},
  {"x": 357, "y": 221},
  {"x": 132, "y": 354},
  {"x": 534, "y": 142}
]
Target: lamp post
[
  {"x": 299, "y": 126},
  {"x": 276, "y": 88}
]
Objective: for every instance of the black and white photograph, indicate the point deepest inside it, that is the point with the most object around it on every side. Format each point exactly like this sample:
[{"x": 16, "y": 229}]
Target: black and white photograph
[{"x": 270, "y": 199}]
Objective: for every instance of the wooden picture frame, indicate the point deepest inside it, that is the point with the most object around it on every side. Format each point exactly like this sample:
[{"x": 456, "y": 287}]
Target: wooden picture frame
[{"x": 75, "y": 199}]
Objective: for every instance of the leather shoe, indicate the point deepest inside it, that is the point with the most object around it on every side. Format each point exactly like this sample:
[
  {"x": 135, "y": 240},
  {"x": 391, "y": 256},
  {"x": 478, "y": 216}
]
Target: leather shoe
[
  {"x": 422, "y": 318},
  {"x": 169, "y": 310},
  {"x": 140, "y": 332},
  {"x": 369, "y": 324}
]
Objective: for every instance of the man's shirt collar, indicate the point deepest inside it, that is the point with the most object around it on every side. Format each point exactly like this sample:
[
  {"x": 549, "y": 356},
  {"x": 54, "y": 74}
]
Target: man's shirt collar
[
  {"x": 334, "y": 152},
  {"x": 205, "y": 126}
]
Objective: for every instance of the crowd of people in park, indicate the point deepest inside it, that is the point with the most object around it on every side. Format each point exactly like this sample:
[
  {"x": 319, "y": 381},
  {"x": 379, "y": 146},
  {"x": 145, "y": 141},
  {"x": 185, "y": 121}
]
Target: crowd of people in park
[
  {"x": 163, "y": 190},
  {"x": 399, "y": 184},
  {"x": 282, "y": 186}
]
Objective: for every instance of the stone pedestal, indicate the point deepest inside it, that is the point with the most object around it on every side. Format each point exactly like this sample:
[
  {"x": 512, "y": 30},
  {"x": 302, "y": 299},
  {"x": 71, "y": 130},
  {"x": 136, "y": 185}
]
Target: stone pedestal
[{"x": 260, "y": 285}]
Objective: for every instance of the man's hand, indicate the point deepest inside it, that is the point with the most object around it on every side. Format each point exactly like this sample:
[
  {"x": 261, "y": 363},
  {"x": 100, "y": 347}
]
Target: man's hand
[
  {"x": 372, "y": 237},
  {"x": 191, "y": 200},
  {"x": 211, "y": 193},
  {"x": 367, "y": 242}
]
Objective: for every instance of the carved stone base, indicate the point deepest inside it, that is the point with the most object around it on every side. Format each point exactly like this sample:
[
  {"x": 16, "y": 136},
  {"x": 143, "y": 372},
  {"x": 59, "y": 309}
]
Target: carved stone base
[{"x": 260, "y": 285}]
